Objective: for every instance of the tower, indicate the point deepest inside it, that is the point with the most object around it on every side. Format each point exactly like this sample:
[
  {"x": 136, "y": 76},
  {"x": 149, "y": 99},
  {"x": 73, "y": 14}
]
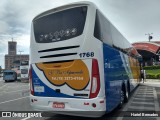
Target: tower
[{"x": 12, "y": 48}]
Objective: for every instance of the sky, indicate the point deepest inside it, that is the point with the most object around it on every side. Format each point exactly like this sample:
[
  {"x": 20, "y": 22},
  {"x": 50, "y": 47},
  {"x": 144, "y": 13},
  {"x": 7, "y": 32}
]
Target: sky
[{"x": 133, "y": 18}]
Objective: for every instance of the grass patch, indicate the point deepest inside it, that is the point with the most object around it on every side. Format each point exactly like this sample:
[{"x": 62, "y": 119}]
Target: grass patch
[
  {"x": 155, "y": 71},
  {"x": 153, "y": 74}
]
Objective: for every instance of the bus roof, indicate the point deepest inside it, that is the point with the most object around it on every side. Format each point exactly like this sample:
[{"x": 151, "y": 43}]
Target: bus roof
[{"x": 60, "y": 8}]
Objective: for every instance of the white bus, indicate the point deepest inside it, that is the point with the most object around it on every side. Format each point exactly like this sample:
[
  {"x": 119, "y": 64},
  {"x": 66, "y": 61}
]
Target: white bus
[
  {"x": 24, "y": 68},
  {"x": 80, "y": 62}
]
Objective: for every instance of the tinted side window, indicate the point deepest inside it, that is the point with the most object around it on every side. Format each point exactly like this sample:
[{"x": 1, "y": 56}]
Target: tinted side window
[
  {"x": 102, "y": 28},
  {"x": 23, "y": 63},
  {"x": 97, "y": 29}
]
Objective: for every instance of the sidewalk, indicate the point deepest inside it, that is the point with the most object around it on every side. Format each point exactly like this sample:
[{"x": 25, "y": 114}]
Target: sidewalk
[
  {"x": 153, "y": 80},
  {"x": 146, "y": 98},
  {"x": 155, "y": 83}
]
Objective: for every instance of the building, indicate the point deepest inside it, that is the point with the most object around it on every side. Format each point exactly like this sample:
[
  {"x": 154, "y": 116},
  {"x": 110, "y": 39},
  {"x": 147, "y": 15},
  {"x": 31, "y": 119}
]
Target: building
[
  {"x": 150, "y": 52},
  {"x": 12, "y": 59}
]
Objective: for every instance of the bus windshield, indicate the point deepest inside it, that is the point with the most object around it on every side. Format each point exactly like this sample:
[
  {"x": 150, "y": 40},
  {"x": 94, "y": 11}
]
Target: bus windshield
[
  {"x": 60, "y": 26},
  {"x": 8, "y": 73},
  {"x": 24, "y": 71},
  {"x": 24, "y": 63}
]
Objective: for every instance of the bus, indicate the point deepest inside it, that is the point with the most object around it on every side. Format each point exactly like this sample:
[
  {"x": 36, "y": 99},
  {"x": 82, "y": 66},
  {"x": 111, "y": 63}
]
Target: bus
[
  {"x": 9, "y": 75},
  {"x": 80, "y": 62},
  {"x": 24, "y": 68}
]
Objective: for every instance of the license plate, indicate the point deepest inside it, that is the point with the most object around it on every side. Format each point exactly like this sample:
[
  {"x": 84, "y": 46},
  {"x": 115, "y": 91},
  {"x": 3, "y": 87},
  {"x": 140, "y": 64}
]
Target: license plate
[
  {"x": 58, "y": 105},
  {"x": 39, "y": 88}
]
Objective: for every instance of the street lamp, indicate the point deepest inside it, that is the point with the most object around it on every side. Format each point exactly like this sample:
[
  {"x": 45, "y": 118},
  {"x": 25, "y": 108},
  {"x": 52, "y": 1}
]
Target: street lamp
[
  {"x": 149, "y": 36},
  {"x": 20, "y": 56},
  {"x": 20, "y": 52}
]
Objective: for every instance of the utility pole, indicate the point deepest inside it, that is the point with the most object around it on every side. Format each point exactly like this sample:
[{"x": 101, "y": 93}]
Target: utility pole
[
  {"x": 20, "y": 55},
  {"x": 20, "y": 52},
  {"x": 149, "y": 36},
  {"x": 0, "y": 71}
]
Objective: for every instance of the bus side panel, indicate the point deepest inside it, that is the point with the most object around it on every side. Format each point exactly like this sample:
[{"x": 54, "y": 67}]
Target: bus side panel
[
  {"x": 135, "y": 70},
  {"x": 114, "y": 74},
  {"x": 132, "y": 69}
]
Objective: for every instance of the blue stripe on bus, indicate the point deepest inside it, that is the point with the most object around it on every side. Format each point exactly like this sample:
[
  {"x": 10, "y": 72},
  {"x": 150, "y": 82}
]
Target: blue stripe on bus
[
  {"x": 48, "y": 92},
  {"x": 114, "y": 75}
]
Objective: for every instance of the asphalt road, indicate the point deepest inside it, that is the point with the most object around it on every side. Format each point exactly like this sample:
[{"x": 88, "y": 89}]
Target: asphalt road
[{"x": 14, "y": 96}]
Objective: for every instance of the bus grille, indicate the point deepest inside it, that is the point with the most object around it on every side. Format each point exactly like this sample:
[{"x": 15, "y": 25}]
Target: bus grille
[
  {"x": 60, "y": 48},
  {"x": 60, "y": 54}
]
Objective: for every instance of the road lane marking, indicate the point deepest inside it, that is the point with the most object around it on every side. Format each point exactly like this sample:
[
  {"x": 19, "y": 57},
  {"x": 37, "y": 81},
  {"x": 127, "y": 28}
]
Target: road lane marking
[
  {"x": 11, "y": 86},
  {"x": 144, "y": 99},
  {"x": 14, "y": 85},
  {"x": 126, "y": 106},
  {"x": 141, "y": 108},
  {"x": 146, "y": 89},
  {"x": 26, "y": 118},
  {"x": 144, "y": 103},
  {"x": 23, "y": 90},
  {"x": 157, "y": 108},
  {"x": 13, "y": 100},
  {"x": 3, "y": 86}
]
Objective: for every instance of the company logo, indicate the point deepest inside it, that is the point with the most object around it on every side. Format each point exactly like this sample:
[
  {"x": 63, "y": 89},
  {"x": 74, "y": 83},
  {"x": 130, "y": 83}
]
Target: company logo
[
  {"x": 75, "y": 74},
  {"x": 58, "y": 35}
]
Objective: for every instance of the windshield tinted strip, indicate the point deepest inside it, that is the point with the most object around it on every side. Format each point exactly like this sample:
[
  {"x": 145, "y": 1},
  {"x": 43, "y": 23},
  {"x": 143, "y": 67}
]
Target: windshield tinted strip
[{"x": 56, "y": 49}]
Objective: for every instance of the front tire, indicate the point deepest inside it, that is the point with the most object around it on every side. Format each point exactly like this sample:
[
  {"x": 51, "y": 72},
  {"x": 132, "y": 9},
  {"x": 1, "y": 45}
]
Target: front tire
[
  {"x": 127, "y": 92},
  {"x": 126, "y": 96}
]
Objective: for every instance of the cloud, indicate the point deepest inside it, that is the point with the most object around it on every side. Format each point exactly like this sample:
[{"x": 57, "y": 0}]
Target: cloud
[
  {"x": 18, "y": 14},
  {"x": 4, "y": 27},
  {"x": 23, "y": 43},
  {"x": 134, "y": 18}
]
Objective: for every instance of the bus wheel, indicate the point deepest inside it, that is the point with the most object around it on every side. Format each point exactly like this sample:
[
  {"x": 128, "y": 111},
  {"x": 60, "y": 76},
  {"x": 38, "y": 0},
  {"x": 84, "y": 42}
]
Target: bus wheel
[
  {"x": 6, "y": 81},
  {"x": 126, "y": 96},
  {"x": 127, "y": 93},
  {"x": 121, "y": 99}
]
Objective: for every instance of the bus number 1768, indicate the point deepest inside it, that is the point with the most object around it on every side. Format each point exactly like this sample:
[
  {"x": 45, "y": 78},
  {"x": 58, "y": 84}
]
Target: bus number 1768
[{"x": 87, "y": 54}]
